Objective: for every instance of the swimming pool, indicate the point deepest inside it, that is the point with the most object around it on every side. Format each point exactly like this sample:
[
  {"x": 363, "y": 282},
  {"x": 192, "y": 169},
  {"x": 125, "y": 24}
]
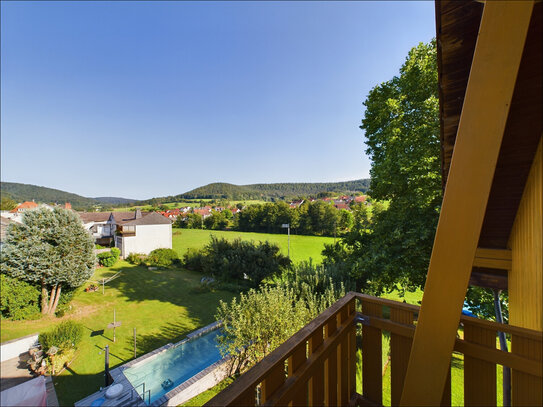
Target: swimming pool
[{"x": 174, "y": 366}]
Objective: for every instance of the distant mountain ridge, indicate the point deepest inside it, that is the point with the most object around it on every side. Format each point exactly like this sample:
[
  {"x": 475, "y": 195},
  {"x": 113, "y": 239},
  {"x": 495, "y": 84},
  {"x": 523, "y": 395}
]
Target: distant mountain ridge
[
  {"x": 223, "y": 190},
  {"x": 28, "y": 192},
  {"x": 217, "y": 190}
]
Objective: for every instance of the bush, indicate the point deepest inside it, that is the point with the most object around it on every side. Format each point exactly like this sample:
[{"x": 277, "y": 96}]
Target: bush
[
  {"x": 65, "y": 335},
  {"x": 240, "y": 260},
  {"x": 116, "y": 252},
  {"x": 162, "y": 258},
  {"x": 136, "y": 258},
  {"x": 108, "y": 259},
  {"x": 193, "y": 260},
  {"x": 19, "y": 299},
  {"x": 64, "y": 302}
]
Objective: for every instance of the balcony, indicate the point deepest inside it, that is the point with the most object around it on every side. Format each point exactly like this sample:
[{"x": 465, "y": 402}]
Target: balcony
[
  {"x": 126, "y": 231},
  {"x": 317, "y": 365}
]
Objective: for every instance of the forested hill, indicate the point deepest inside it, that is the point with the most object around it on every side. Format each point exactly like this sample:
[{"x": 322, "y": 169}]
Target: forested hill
[
  {"x": 221, "y": 190},
  {"x": 27, "y": 192}
]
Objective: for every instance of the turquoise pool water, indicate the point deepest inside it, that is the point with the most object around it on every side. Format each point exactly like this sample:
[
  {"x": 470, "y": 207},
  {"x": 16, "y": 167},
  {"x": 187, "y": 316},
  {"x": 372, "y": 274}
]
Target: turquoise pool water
[{"x": 175, "y": 365}]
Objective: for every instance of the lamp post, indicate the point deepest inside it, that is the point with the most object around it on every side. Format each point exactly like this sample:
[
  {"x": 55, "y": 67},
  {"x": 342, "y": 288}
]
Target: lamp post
[{"x": 287, "y": 226}]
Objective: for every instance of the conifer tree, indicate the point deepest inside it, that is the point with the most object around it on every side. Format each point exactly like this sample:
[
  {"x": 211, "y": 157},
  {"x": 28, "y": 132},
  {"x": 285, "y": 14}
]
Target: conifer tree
[{"x": 51, "y": 249}]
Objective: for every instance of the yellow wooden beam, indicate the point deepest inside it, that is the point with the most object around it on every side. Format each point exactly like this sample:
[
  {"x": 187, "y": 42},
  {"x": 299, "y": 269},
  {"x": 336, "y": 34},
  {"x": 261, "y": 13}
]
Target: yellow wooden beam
[
  {"x": 493, "y": 258},
  {"x": 494, "y": 69}
]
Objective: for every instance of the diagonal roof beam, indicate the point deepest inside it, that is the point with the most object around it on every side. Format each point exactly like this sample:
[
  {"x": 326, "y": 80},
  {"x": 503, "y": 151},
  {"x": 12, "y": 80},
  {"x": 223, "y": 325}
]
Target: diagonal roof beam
[{"x": 493, "y": 74}]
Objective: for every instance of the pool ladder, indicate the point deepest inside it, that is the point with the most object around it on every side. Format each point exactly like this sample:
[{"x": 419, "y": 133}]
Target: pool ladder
[{"x": 142, "y": 395}]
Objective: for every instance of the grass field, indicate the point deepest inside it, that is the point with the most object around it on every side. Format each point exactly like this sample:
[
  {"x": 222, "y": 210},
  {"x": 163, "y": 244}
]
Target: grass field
[
  {"x": 160, "y": 304},
  {"x": 301, "y": 247}
]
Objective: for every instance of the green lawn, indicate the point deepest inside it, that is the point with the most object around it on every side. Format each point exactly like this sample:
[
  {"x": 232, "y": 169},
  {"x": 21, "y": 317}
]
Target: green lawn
[
  {"x": 301, "y": 247},
  {"x": 160, "y": 304}
]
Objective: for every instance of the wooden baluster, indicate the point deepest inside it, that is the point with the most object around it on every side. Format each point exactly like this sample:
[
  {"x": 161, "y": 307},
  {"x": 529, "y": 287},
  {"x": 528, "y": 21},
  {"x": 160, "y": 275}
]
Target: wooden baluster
[
  {"x": 400, "y": 348},
  {"x": 294, "y": 362},
  {"x": 316, "y": 383},
  {"x": 330, "y": 368},
  {"x": 526, "y": 390},
  {"x": 372, "y": 374},
  {"x": 479, "y": 375},
  {"x": 352, "y": 351},
  {"x": 343, "y": 361},
  {"x": 446, "y": 397},
  {"x": 273, "y": 380}
]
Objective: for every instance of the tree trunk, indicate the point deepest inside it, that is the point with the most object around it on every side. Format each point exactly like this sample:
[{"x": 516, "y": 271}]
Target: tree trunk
[
  {"x": 51, "y": 298},
  {"x": 57, "y": 297},
  {"x": 44, "y": 308}
]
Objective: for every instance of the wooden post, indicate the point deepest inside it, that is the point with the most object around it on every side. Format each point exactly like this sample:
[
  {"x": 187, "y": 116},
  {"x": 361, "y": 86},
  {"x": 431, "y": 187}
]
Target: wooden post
[
  {"x": 496, "y": 60},
  {"x": 106, "y": 367},
  {"x": 114, "y": 325},
  {"x": 134, "y": 343}
]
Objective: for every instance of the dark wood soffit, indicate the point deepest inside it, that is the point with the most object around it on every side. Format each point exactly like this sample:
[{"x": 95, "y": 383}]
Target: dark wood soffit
[{"x": 457, "y": 24}]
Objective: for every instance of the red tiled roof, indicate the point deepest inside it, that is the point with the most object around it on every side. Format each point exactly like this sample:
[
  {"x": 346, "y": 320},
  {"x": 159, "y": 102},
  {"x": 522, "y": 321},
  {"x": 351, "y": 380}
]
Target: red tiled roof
[{"x": 25, "y": 205}]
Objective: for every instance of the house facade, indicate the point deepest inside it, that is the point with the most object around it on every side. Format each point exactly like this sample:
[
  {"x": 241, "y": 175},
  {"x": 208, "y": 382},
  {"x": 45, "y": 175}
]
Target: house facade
[
  {"x": 143, "y": 233},
  {"x": 131, "y": 232}
]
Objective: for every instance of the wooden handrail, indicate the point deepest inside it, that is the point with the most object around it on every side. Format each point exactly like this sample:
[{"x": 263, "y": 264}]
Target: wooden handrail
[
  {"x": 284, "y": 389},
  {"x": 257, "y": 373}
]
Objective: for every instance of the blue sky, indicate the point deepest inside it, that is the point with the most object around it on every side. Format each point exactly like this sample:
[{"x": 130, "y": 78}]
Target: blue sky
[{"x": 143, "y": 99}]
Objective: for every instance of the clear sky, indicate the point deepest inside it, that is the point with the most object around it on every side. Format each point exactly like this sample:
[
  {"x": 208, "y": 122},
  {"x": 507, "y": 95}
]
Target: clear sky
[{"x": 143, "y": 99}]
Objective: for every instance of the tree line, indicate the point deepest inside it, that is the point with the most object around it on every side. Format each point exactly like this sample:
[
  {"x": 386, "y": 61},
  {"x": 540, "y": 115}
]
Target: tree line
[{"x": 316, "y": 218}]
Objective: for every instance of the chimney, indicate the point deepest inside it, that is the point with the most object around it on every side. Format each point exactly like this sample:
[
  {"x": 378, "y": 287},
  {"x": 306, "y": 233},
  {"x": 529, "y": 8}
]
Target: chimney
[{"x": 138, "y": 214}]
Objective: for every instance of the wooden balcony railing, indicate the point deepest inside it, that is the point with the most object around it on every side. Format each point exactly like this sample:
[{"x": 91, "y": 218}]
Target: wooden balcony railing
[{"x": 317, "y": 365}]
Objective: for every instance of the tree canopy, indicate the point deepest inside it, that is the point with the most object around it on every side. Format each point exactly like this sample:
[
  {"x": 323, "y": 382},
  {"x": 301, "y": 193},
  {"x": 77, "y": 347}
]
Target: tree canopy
[
  {"x": 50, "y": 248},
  {"x": 392, "y": 246}
]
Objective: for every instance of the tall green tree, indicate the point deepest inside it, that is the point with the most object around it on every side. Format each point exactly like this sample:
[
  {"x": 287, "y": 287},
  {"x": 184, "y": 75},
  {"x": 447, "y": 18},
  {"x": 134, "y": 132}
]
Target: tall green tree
[
  {"x": 401, "y": 129},
  {"x": 51, "y": 249}
]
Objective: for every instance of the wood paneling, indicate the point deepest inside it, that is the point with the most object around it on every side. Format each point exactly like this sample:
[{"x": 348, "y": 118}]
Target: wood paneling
[
  {"x": 526, "y": 389},
  {"x": 502, "y": 35},
  {"x": 526, "y": 276}
]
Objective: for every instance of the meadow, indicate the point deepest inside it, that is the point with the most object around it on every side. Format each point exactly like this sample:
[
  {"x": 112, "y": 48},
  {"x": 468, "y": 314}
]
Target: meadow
[
  {"x": 301, "y": 247},
  {"x": 138, "y": 296}
]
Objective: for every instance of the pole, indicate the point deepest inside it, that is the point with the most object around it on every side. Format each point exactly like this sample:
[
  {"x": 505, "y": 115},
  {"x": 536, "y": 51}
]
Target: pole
[
  {"x": 103, "y": 286},
  {"x": 506, "y": 385},
  {"x": 114, "y": 325},
  {"x": 134, "y": 343},
  {"x": 106, "y": 373},
  {"x": 288, "y": 231}
]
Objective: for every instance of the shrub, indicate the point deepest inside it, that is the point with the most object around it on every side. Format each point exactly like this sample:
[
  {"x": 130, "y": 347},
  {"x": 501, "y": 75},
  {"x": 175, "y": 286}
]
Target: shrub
[
  {"x": 136, "y": 258},
  {"x": 116, "y": 252},
  {"x": 162, "y": 258},
  {"x": 240, "y": 260},
  {"x": 64, "y": 303},
  {"x": 108, "y": 259},
  {"x": 19, "y": 299},
  {"x": 194, "y": 259},
  {"x": 65, "y": 335}
]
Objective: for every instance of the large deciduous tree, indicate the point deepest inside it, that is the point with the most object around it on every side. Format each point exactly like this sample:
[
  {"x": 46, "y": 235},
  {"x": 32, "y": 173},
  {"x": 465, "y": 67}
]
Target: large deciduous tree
[
  {"x": 50, "y": 248},
  {"x": 401, "y": 126}
]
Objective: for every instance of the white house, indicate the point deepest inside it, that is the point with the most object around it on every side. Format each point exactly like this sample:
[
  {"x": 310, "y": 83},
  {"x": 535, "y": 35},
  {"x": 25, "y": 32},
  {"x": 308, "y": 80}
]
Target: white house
[
  {"x": 142, "y": 233},
  {"x": 132, "y": 232}
]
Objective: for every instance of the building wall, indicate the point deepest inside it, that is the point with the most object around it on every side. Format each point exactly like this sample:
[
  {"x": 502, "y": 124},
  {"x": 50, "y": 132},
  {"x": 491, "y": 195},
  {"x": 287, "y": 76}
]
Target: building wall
[
  {"x": 148, "y": 238},
  {"x": 526, "y": 276}
]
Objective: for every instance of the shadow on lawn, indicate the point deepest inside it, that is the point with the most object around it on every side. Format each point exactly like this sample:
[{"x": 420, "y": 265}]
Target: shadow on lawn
[
  {"x": 175, "y": 286},
  {"x": 171, "y": 333}
]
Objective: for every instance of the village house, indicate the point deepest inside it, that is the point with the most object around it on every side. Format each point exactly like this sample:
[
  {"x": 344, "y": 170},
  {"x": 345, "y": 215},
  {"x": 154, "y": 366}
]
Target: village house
[{"x": 131, "y": 232}]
